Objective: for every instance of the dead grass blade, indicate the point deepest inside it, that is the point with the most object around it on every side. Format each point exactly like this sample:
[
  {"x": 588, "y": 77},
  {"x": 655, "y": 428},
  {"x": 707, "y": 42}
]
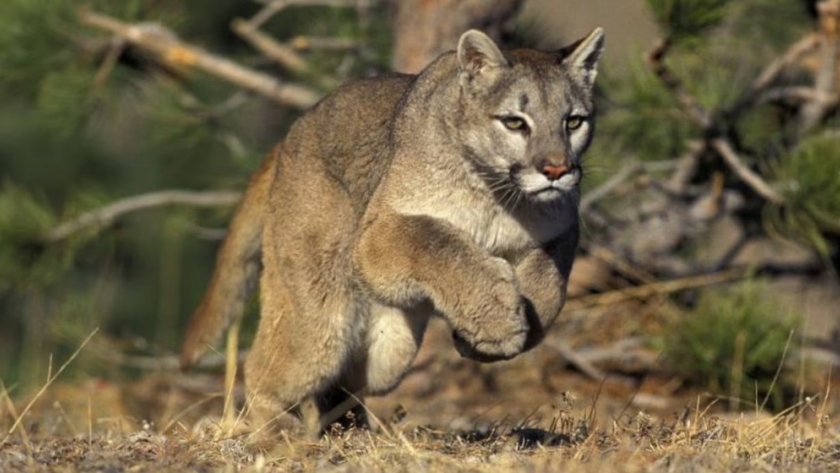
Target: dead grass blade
[
  {"x": 778, "y": 371},
  {"x": 46, "y": 385},
  {"x": 11, "y": 406}
]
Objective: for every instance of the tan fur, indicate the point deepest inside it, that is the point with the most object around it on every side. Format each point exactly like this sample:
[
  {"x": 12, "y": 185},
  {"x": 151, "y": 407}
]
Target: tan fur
[{"x": 398, "y": 198}]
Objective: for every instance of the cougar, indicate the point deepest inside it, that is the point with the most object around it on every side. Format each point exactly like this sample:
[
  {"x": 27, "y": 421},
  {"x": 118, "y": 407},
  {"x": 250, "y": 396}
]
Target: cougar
[{"x": 452, "y": 192}]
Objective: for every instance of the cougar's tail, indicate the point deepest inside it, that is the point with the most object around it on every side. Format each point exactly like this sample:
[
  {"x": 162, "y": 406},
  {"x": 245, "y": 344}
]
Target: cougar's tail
[{"x": 237, "y": 269}]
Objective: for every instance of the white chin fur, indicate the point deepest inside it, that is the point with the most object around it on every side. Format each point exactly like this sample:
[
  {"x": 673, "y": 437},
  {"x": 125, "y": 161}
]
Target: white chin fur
[{"x": 541, "y": 188}]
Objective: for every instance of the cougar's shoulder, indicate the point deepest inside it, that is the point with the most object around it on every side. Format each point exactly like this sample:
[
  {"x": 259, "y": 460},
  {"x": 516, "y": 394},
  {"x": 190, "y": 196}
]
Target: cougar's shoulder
[{"x": 348, "y": 133}]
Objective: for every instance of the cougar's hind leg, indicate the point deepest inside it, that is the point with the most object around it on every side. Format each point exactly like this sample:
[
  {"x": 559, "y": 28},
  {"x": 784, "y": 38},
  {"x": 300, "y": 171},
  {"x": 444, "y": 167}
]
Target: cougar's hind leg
[
  {"x": 393, "y": 339},
  {"x": 378, "y": 363},
  {"x": 341, "y": 403},
  {"x": 304, "y": 341},
  {"x": 308, "y": 324}
]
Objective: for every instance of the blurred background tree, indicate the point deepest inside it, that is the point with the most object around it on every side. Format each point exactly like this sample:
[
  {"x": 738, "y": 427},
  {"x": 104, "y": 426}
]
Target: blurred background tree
[
  {"x": 730, "y": 119},
  {"x": 94, "y": 121},
  {"x": 89, "y": 118}
]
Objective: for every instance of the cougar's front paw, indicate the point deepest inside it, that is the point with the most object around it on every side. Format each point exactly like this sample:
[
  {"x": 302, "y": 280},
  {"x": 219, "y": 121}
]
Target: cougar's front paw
[
  {"x": 486, "y": 352},
  {"x": 494, "y": 325}
]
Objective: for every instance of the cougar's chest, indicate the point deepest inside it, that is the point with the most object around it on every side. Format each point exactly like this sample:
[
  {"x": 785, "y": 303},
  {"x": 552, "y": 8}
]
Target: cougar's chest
[
  {"x": 506, "y": 234},
  {"x": 496, "y": 230},
  {"x": 491, "y": 226}
]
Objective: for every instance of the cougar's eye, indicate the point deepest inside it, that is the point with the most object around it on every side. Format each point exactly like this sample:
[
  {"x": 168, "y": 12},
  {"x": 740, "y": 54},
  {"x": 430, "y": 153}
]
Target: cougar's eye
[
  {"x": 574, "y": 122},
  {"x": 514, "y": 123}
]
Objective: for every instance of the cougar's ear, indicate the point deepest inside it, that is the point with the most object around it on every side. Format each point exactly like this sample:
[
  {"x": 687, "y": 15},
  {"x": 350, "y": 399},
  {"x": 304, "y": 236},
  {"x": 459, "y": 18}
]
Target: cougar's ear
[
  {"x": 581, "y": 57},
  {"x": 478, "y": 53}
]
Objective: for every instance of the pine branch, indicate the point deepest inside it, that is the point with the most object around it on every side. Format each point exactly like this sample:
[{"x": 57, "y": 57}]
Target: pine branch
[
  {"x": 707, "y": 121},
  {"x": 104, "y": 216},
  {"x": 656, "y": 61},
  {"x": 166, "y": 45}
]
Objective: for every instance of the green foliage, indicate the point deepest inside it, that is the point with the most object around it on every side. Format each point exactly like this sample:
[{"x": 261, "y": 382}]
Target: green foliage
[
  {"x": 23, "y": 222},
  {"x": 733, "y": 336},
  {"x": 39, "y": 38},
  {"x": 77, "y": 133},
  {"x": 641, "y": 117},
  {"x": 64, "y": 100},
  {"x": 774, "y": 24},
  {"x": 811, "y": 190},
  {"x": 686, "y": 19},
  {"x": 33, "y": 29},
  {"x": 22, "y": 217},
  {"x": 27, "y": 261}
]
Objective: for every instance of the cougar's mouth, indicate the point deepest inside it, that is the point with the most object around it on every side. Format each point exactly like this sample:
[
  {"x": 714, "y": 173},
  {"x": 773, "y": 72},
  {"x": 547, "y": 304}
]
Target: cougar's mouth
[{"x": 544, "y": 187}]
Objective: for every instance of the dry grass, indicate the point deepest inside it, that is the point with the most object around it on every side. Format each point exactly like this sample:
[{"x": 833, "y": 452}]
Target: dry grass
[
  {"x": 799, "y": 440},
  {"x": 530, "y": 414}
]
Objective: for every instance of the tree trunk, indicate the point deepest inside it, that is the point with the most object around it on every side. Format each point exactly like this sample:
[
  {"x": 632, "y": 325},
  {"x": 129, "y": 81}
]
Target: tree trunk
[{"x": 423, "y": 29}]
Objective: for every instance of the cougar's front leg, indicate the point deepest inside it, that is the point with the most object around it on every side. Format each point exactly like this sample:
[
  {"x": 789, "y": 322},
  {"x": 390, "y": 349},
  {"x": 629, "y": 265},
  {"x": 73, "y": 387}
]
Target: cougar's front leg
[
  {"x": 543, "y": 276},
  {"x": 409, "y": 260}
]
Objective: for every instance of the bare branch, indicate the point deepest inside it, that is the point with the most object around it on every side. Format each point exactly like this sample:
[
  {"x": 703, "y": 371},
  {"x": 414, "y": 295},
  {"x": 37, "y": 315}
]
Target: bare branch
[
  {"x": 166, "y": 45},
  {"x": 168, "y": 362},
  {"x": 606, "y": 188},
  {"x": 619, "y": 264},
  {"x": 772, "y": 71},
  {"x": 705, "y": 120},
  {"x": 273, "y": 7},
  {"x": 798, "y": 94},
  {"x": 270, "y": 9},
  {"x": 686, "y": 167},
  {"x": 571, "y": 357},
  {"x": 628, "y": 354},
  {"x": 826, "y": 79},
  {"x": 304, "y": 43},
  {"x": 111, "y": 58},
  {"x": 282, "y": 54},
  {"x": 104, "y": 216},
  {"x": 314, "y": 3},
  {"x": 756, "y": 183},
  {"x": 697, "y": 112},
  {"x": 209, "y": 234},
  {"x": 279, "y": 53},
  {"x": 655, "y": 288}
]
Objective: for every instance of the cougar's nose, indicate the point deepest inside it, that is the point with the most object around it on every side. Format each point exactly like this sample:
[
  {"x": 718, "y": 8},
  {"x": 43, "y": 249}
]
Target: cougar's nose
[
  {"x": 554, "y": 167},
  {"x": 554, "y": 172}
]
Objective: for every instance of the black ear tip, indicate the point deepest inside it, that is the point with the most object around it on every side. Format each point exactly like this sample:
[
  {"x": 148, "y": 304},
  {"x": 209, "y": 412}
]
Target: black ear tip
[
  {"x": 567, "y": 50},
  {"x": 590, "y": 45}
]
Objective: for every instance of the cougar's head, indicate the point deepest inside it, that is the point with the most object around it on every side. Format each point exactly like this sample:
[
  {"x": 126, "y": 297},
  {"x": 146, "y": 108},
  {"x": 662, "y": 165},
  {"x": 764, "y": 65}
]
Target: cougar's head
[{"x": 525, "y": 116}]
